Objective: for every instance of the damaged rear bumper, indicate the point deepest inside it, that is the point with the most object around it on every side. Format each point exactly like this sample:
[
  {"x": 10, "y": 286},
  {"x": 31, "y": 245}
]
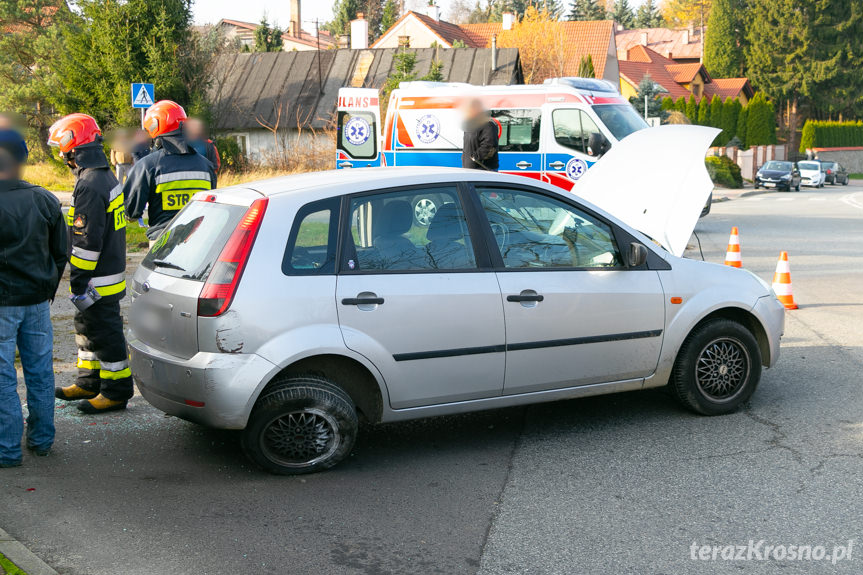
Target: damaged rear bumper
[{"x": 213, "y": 389}]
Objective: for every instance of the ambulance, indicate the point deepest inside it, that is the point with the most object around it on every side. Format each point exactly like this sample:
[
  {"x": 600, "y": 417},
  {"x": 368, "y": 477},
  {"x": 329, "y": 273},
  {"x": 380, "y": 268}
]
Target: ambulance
[{"x": 553, "y": 132}]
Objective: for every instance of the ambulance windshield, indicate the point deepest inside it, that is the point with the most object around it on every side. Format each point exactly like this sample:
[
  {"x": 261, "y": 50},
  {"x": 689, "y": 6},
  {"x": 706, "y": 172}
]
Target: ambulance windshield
[{"x": 620, "y": 119}]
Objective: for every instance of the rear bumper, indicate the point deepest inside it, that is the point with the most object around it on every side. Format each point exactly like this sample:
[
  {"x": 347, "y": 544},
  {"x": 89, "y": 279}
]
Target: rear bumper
[
  {"x": 771, "y": 313},
  {"x": 213, "y": 389}
]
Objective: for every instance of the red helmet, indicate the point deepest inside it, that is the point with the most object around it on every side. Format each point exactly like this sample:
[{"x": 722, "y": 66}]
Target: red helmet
[
  {"x": 164, "y": 117},
  {"x": 72, "y": 131}
]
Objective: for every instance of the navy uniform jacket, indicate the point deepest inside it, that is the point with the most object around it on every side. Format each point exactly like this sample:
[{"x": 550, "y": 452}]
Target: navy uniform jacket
[
  {"x": 97, "y": 227},
  {"x": 32, "y": 244},
  {"x": 166, "y": 179}
]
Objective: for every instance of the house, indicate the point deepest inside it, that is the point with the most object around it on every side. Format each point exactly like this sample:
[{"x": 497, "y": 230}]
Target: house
[
  {"x": 294, "y": 38},
  {"x": 684, "y": 45},
  {"x": 596, "y": 38},
  {"x": 677, "y": 79},
  {"x": 417, "y": 30},
  {"x": 266, "y": 99}
]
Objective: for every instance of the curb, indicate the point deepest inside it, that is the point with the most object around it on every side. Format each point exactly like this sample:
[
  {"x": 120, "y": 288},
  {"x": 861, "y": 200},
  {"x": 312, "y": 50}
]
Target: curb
[
  {"x": 22, "y": 557},
  {"x": 753, "y": 193}
]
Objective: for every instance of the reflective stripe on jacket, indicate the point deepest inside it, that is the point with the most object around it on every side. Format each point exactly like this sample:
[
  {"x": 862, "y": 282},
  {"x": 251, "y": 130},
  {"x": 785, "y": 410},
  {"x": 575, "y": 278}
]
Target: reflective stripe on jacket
[
  {"x": 164, "y": 181},
  {"x": 97, "y": 227}
]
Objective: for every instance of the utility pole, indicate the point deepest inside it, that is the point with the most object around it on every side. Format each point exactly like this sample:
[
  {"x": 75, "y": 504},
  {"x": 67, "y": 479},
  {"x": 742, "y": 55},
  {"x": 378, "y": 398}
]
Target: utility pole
[
  {"x": 318, "y": 43},
  {"x": 701, "y": 59}
]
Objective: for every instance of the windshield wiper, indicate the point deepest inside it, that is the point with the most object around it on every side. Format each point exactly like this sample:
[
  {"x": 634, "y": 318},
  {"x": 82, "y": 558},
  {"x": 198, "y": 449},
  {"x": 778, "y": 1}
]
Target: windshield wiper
[{"x": 164, "y": 264}]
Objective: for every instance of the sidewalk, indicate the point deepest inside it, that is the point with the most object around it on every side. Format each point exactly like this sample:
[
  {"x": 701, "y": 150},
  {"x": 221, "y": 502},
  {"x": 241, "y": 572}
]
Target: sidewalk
[
  {"x": 725, "y": 194},
  {"x": 64, "y": 197}
]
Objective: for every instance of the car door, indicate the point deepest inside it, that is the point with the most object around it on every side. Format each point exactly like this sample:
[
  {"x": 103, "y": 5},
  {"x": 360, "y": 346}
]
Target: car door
[
  {"x": 575, "y": 313},
  {"x": 518, "y": 142},
  {"x": 565, "y": 138},
  {"x": 420, "y": 301}
]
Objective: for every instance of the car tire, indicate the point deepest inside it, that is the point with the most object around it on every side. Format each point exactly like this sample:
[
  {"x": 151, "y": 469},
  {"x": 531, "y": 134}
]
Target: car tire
[
  {"x": 717, "y": 368},
  {"x": 300, "y": 425},
  {"x": 797, "y": 188}
]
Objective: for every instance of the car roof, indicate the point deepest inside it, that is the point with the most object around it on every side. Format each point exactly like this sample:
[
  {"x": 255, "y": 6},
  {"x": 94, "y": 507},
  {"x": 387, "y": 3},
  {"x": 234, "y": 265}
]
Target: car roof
[{"x": 323, "y": 184}]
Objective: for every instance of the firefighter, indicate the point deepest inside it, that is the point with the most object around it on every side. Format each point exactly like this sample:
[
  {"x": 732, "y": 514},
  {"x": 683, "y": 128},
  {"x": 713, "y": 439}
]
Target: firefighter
[
  {"x": 170, "y": 175},
  {"x": 97, "y": 236}
]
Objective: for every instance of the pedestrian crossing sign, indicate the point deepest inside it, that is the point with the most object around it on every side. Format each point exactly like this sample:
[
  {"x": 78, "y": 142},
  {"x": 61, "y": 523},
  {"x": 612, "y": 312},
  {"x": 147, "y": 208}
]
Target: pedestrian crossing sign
[{"x": 143, "y": 95}]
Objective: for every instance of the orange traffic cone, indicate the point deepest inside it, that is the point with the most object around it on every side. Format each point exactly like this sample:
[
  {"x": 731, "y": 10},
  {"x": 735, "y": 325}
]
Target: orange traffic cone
[
  {"x": 732, "y": 256},
  {"x": 782, "y": 282}
]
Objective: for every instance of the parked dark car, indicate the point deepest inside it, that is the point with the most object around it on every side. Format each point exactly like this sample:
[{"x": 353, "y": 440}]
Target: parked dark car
[
  {"x": 779, "y": 175},
  {"x": 834, "y": 173}
]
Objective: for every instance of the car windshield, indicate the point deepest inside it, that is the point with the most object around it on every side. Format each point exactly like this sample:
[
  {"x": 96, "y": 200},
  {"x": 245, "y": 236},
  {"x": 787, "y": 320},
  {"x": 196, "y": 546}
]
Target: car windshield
[
  {"x": 778, "y": 166},
  {"x": 620, "y": 119},
  {"x": 827, "y": 166},
  {"x": 808, "y": 166}
]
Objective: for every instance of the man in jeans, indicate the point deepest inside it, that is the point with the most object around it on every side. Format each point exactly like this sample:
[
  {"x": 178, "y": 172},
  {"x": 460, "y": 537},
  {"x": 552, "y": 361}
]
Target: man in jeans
[{"x": 33, "y": 243}]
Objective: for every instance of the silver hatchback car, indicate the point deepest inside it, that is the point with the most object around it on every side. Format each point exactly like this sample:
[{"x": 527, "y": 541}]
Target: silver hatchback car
[{"x": 291, "y": 308}]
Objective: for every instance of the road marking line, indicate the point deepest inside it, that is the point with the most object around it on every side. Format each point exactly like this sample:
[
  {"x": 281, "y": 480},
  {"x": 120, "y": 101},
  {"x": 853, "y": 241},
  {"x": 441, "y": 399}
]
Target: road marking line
[{"x": 853, "y": 201}]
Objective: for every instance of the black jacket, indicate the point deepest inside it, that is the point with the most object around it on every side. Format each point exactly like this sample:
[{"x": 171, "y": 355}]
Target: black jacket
[
  {"x": 480, "y": 147},
  {"x": 97, "y": 227},
  {"x": 165, "y": 180},
  {"x": 32, "y": 244}
]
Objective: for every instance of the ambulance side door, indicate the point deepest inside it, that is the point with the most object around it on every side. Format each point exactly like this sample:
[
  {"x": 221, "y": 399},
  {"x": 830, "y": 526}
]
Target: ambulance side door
[
  {"x": 519, "y": 150},
  {"x": 566, "y": 132}
]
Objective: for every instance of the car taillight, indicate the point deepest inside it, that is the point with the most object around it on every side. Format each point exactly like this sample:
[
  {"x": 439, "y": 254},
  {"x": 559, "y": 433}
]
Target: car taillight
[{"x": 223, "y": 280}]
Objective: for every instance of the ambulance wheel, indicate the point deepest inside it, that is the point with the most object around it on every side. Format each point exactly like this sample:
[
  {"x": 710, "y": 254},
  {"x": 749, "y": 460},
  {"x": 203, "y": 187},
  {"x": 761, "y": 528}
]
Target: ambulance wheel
[{"x": 424, "y": 211}]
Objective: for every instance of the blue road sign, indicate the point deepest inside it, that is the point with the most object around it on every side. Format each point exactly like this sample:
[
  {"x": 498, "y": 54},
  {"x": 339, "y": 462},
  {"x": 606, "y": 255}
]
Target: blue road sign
[{"x": 143, "y": 95}]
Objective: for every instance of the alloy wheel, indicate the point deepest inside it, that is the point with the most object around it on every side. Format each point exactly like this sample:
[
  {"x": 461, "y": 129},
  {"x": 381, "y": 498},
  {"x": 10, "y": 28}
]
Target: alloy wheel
[
  {"x": 300, "y": 438},
  {"x": 722, "y": 369}
]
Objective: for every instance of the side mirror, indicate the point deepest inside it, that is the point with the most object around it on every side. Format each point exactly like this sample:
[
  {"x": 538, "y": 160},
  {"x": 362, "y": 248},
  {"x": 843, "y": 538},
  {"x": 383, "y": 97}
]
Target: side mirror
[
  {"x": 637, "y": 255},
  {"x": 597, "y": 144}
]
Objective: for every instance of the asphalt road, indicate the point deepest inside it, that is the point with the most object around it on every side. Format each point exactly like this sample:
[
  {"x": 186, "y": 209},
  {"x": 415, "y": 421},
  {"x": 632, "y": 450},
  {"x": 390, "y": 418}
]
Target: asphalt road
[{"x": 615, "y": 484}]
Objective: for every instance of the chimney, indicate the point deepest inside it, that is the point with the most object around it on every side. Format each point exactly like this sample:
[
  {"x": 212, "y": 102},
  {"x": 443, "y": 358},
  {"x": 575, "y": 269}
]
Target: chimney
[
  {"x": 344, "y": 41},
  {"x": 508, "y": 20},
  {"x": 296, "y": 19},
  {"x": 404, "y": 41},
  {"x": 493, "y": 52},
  {"x": 644, "y": 38},
  {"x": 686, "y": 35},
  {"x": 433, "y": 11},
  {"x": 359, "y": 33}
]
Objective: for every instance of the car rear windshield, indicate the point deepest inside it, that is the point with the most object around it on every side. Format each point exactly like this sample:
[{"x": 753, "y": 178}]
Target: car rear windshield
[
  {"x": 620, "y": 119},
  {"x": 808, "y": 166},
  {"x": 188, "y": 248}
]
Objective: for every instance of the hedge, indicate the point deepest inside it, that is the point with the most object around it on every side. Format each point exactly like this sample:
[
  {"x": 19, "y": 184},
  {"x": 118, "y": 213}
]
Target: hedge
[
  {"x": 824, "y": 134},
  {"x": 724, "y": 171}
]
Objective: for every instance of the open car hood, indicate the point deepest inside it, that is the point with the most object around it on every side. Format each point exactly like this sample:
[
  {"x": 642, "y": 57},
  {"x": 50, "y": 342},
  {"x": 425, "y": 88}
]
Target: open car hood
[{"x": 654, "y": 180}]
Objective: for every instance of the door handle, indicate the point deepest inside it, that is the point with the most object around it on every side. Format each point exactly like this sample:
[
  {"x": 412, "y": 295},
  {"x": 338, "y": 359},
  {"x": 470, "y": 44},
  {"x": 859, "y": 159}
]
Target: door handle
[
  {"x": 557, "y": 165},
  {"x": 523, "y": 297},
  {"x": 345, "y": 165},
  {"x": 363, "y": 301},
  {"x": 523, "y": 165}
]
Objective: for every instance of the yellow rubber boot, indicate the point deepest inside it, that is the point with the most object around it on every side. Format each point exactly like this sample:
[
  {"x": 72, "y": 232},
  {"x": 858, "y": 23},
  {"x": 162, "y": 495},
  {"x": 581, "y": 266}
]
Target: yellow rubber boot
[
  {"x": 100, "y": 404},
  {"x": 73, "y": 392}
]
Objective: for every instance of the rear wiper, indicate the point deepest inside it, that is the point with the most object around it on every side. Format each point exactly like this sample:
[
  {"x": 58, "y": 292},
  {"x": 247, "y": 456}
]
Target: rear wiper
[{"x": 164, "y": 264}]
